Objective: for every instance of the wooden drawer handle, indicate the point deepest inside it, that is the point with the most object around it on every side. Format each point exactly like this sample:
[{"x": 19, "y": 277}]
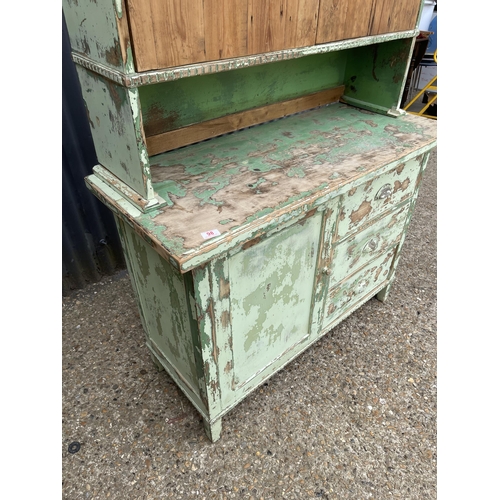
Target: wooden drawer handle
[{"x": 384, "y": 192}]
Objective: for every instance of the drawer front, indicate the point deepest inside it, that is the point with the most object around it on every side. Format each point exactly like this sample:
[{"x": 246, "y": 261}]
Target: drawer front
[
  {"x": 357, "y": 250},
  {"x": 365, "y": 202},
  {"x": 358, "y": 288}
]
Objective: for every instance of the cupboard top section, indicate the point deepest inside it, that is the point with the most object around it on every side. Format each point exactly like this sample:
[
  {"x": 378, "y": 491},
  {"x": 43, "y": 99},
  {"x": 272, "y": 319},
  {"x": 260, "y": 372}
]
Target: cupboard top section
[
  {"x": 236, "y": 186},
  {"x": 146, "y": 35}
]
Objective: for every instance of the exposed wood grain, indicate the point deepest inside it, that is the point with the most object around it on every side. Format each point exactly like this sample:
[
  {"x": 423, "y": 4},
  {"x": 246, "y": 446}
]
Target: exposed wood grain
[
  {"x": 143, "y": 38},
  {"x": 124, "y": 37},
  {"x": 179, "y": 31},
  {"x": 281, "y": 24},
  {"x": 230, "y": 181},
  {"x": 225, "y": 24},
  {"x": 212, "y": 128},
  {"x": 301, "y": 23},
  {"x": 167, "y": 33},
  {"x": 394, "y": 15},
  {"x": 343, "y": 19}
]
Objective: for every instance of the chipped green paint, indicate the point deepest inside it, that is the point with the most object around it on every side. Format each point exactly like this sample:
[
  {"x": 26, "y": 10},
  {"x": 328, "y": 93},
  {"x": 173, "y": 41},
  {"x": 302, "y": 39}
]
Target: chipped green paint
[
  {"x": 163, "y": 304},
  {"x": 358, "y": 288},
  {"x": 341, "y": 137},
  {"x": 375, "y": 75},
  {"x": 114, "y": 129},
  {"x": 172, "y": 188},
  {"x": 118, "y": 8},
  {"x": 312, "y": 210},
  {"x": 133, "y": 99},
  {"x": 268, "y": 279},
  {"x": 257, "y": 301},
  {"x": 296, "y": 172},
  {"x": 93, "y": 31},
  {"x": 175, "y": 245},
  {"x": 171, "y": 105}
]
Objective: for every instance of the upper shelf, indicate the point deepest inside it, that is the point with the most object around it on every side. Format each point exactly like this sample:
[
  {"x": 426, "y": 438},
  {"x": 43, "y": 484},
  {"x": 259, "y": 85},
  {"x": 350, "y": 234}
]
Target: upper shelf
[
  {"x": 151, "y": 77},
  {"x": 129, "y": 38}
]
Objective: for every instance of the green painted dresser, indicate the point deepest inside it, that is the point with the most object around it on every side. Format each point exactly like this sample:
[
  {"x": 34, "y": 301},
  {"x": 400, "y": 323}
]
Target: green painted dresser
[{"x": 261, "y": 172}]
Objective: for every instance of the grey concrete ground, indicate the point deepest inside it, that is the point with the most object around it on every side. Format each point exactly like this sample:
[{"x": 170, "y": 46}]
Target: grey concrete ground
[{"x": 354, "y": 417}]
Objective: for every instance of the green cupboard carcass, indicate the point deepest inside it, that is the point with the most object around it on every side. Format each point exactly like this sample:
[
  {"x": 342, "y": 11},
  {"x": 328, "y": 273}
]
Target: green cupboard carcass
[{"x": 262, "y": 174}]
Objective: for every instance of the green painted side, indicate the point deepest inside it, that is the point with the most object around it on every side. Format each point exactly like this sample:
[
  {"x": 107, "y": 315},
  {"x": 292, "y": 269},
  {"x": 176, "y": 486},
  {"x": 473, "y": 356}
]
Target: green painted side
[
  {"x": 171, "y": 105},
  {"x": 114, "y": 120},
  {"x": 161, "y": 292},
  {"x": 93, "y": 31},
  {"x": 272, "y": 290},
  {"x": 375, "y": 74}
]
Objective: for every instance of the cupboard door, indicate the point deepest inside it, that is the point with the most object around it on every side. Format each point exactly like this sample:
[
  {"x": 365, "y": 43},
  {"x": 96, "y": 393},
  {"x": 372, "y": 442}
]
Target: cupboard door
[
  {"x": 272, "y": 288},
  {"x": 168, "y": 33},
  {"x": 393, "y": 15},
  {"x": 344, "y": 19},
  {"x": 279, "y": 25}
]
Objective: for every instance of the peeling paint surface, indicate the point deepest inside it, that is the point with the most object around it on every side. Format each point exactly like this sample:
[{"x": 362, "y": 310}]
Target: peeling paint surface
[
  {"x": 269, "y": 280},
  {"x": 93, "y": 31},
  {"x": 162, "y": 299},
  {"x": 231, "y": 182},
  {"x": 358, "y": 288},
  {"x": 113, "y": 124}
]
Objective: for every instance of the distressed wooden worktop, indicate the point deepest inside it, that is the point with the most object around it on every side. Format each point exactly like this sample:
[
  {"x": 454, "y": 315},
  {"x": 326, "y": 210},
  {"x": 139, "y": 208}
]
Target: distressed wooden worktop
[{"x": 240, "y": 183}]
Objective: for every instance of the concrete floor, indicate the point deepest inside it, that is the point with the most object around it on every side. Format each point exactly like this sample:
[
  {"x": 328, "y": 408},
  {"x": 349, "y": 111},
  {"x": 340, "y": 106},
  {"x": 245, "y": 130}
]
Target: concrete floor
[{"x": 354, "y": 417}]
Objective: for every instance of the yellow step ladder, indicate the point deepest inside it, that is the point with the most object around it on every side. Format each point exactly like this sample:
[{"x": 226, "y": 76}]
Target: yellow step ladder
[{"x": 431, "y": 86}]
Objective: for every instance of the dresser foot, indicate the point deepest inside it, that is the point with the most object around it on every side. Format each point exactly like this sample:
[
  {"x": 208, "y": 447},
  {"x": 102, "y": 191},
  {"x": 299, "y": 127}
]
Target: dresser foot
[
  {"x": 158, "y": 365},
  {"x": 213, "y": 430},
  {"x": 382, "y": 295}
]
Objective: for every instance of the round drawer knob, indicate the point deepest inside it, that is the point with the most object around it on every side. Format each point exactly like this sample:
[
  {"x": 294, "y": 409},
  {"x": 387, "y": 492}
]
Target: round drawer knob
[
  {"x": 372, "y": 245},
  {"x": 384, "y": 192}
]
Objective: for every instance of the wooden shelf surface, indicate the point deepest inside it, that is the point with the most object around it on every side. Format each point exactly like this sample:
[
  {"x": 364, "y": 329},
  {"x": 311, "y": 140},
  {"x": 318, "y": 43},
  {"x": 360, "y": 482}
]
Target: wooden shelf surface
[{"x": 238, "y": 184}]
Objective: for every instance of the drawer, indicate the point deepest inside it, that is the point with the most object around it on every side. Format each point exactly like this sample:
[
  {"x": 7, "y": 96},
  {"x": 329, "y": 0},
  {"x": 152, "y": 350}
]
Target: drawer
[
  {"x": 361, "y": 286},
  {"x": 371, "y": 199},
  {"x": 363, "y": 246}
]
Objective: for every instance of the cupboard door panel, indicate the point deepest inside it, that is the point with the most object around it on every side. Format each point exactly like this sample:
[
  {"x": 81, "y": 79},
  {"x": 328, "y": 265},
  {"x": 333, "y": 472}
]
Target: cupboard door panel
[
  {"x": 226, "y": 28},
  {"x": 167, "y": 33},
  {"x": 394, "y": 15},
  {"x": 272, "y": 294},
  {"x": 343, "y": 19},
  {"x": 280, "y": 25}
]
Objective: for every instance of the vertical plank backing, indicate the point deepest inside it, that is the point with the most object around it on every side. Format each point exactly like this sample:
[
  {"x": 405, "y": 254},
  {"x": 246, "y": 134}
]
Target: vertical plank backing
[
  {"x": 179, "y": 32},
  {"x": 225, "y": 28},
  {"x": 301, "y": 23},
  {"x": 281, "y": 24},
  {"x": 394, "y": 15},
  {"x": 343, "y": 19},
  {"x": 167, "y": 32},
  {"x": 143, "y": 38}
]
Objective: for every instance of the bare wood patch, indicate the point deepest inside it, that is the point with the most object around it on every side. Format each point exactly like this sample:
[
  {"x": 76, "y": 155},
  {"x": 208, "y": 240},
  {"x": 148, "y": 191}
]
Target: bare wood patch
[{"x": 364, "y": 209}]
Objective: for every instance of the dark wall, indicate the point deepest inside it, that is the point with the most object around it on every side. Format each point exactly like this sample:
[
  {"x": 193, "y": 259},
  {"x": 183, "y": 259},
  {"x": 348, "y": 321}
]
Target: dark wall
[{"x": 90, "y": 243}]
